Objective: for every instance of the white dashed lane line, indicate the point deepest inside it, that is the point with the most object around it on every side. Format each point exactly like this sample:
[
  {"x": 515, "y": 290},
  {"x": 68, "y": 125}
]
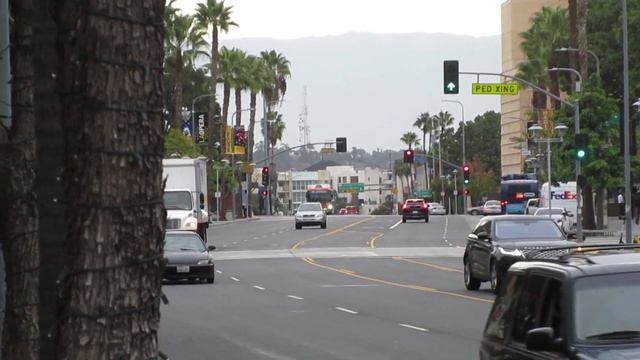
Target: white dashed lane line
[
  {"x": 234, "y": 279},
  {"x": 395, "y": 225},
  {"x": 346, "y": 310},
  {"x": 258, "y": 287},
  {"x": 414, "y": 327},
  {"x": 218, "y": 271},
  {"x": 446, "y": 227},
  {"x": 294, "y": 297}
]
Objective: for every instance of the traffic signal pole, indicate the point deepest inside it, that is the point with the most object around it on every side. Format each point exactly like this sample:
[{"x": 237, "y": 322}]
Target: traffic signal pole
[{"x": 627, "y": 126}]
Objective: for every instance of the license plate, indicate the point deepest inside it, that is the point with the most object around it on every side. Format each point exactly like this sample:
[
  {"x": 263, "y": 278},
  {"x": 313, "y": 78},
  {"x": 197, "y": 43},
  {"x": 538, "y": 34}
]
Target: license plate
[
  {"x": 182, "y": 268},
  {"x": 415, "y": 211}
]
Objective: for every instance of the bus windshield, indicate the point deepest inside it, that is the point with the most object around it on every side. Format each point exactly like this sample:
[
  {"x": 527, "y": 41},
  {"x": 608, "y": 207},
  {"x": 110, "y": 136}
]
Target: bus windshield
[
  {"x": 321, "y": 196},
  {"x": 514, "y": 194}
]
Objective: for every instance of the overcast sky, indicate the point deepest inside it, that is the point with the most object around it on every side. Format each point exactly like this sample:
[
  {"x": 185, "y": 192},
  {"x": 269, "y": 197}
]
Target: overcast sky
[{"x": 287, "y": 19}]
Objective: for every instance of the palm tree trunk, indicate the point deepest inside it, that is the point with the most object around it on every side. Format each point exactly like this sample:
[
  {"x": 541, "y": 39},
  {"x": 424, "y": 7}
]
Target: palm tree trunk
[
  {"x": 177, "y": 96},
  {"x": 226, "y": 93},
  {"x": 252, "y": 125},
  {"x": 426, "y": 162},
  {"x": 110, "y": 298},
  {"x": 212, "y": 99},
  {"x": 573, "y": 38},
  {"x": 19, "y": 214},
  {"x": 238, "y": 99},
  {"x": 581, "y": 28}
]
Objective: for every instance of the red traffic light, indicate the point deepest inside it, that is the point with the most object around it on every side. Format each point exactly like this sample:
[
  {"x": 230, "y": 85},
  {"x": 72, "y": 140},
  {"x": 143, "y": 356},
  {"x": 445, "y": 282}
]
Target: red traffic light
[
  {"x": 466, "y": 168},
  {"x": 265, "y": 170},
  {"x": 467, "y": 192}
]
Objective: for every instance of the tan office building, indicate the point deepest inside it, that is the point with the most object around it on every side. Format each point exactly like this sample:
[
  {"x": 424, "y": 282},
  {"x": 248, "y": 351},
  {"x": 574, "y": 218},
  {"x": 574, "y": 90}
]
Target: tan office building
[{"x": 514, "y": 109}]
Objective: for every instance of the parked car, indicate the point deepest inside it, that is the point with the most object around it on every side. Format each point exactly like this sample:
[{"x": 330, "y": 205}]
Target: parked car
[
  {"x": 415, "y": 209},
  {"x": 499, "y": 241},
  {"x": 491, "y": 207},
  {"x": 187, "y": 257},
  {"x": 310, "y": 214},
  {"x": 475, "y": 210},
  {"x": 561, "y": 217},
  {"x": 436, "y": 209},
  {"x": 531, "y": 206},
  {"x": 573, "y": 307}
]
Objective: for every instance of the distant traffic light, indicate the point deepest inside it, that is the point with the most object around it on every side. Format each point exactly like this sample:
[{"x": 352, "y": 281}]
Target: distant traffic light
[
  {"x": 265, "y": 176},
  {"x": 408, "y": 156},
  {"x": 466, "y": 171},
  {"x": 263, "y": 193},
  {"x": 239, "y": 136},
  {"x": 467, "y": 192},
  {"x": 582, "y": 146},
  {"x": 451, "y": 77},
  {"x": 341, "y": 144}
]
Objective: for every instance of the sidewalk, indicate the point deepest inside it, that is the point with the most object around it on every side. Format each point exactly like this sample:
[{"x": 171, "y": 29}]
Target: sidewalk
[{"x": 614, "y": 229}]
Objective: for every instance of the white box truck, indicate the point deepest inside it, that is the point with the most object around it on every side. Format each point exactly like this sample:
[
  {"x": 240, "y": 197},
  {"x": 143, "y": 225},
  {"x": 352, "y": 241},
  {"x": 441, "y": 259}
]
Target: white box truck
[
  {"x": 185, "y": 195},
  {"x": 562, "y": 196}
]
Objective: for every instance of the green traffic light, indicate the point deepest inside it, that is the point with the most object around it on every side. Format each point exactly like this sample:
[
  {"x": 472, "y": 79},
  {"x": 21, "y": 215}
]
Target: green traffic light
[
  {"x": 581, "y": 154},
  {"x": 466, "y": 181}
]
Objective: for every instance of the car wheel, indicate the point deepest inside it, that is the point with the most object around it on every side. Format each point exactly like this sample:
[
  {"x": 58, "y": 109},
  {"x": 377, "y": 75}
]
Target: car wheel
[
  {"x": 298, "y": 227},
  {"x": 470, "y": 282},
  {"x": 323, "y": 225},
  {"x": 474, "y": 212},
  {"x": 404, "y": 220},
  {"x": 211, "y": 279},
  {"x": 494, "y": 280}
]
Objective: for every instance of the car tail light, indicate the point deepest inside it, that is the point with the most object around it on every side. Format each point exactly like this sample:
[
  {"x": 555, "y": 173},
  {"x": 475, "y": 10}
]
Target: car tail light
[
  {"x": 425, "y": 205},
  {"x": 504, "y": 203},
  {"x": 519, "y": 196},
  {"x": 404, "y": 206}
]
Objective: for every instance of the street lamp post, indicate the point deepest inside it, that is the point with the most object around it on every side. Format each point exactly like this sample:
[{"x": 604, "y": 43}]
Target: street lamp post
[
  {"x": 455, "y": 190},
  {"x": 218, "y": 192},
  {"x": 536, "y": 130},
  {"x": 570, "y": 49},
  {"x": 576, "y": 117},
  {"x": 464, "y": 155}
]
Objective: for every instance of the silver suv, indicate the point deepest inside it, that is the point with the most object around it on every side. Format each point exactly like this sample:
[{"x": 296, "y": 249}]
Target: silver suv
[{"x": 310, "y": 214}]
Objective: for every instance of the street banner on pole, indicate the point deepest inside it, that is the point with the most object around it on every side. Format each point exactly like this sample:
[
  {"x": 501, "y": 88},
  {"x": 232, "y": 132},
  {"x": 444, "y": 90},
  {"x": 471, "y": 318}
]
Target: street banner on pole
[{"x": 202, "y": 123}]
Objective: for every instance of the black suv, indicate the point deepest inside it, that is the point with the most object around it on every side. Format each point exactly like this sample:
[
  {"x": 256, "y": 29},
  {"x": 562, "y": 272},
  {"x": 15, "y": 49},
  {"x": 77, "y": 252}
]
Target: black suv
[
  {"x": 582, "y": 305},
  {"x": 499, "y": 241}
]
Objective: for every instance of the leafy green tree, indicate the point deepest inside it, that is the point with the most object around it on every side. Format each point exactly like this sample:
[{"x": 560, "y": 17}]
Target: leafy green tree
[
  {"x": 175, "y": 142},
  {"x": 424, "y": 122},
  {"x": 484, "y": 182},
  {"x": 278, "y": 69}
]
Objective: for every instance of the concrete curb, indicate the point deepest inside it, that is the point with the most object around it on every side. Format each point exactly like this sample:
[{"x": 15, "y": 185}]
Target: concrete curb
[{"x": 229, "y": 222}]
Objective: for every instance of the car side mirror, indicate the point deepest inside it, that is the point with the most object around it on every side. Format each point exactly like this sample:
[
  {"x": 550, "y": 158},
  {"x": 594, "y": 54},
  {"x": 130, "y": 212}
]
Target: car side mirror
[
  {"x": 211, "y": 247},
  {"x": 541, "y": 339},
  {"x": 484, "y": 236},
  {"x": 201, "y": 201}
]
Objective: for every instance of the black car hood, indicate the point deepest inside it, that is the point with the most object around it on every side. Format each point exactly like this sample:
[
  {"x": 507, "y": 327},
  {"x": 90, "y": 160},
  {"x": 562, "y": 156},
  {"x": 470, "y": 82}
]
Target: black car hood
[
  {"x": 534, "y": 244},
  {"x": 185, "y": 257},
  {"x": 615, "y": 352}
]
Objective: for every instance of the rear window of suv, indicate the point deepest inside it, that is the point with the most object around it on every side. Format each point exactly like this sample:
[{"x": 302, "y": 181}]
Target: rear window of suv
[{"x": 415, "y": 202}]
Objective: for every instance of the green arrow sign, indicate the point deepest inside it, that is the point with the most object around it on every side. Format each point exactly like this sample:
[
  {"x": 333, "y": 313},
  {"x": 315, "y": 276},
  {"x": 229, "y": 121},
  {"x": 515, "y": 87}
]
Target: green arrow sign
[{"x": 451, "y": 86}]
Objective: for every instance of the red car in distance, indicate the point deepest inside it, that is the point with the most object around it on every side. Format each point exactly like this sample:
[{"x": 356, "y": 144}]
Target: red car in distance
[{"x": 352, "y": 210}]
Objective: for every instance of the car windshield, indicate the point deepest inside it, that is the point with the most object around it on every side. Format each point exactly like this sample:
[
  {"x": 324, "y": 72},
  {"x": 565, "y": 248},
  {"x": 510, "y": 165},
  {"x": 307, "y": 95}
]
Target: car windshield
[
  {"x": 310, "y": 207},
  {"x": 177, "y": 200},
  {"x": 554, "y": 211},
  {"x": 523, "y": 229},
  {"x": 183, "y": 242},
  {"x": 604, "y": 309},
  {"x": 415, "y": 202}
]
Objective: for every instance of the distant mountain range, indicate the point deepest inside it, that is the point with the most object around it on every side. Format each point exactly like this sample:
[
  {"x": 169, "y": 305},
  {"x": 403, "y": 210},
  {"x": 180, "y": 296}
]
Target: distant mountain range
[{"x": 371, "y": 87}]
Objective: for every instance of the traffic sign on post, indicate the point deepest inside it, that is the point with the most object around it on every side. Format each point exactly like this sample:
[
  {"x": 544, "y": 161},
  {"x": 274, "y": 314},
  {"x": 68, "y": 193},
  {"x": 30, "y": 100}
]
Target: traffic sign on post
[
  {"x": 451, "y": 77},
  {"x": 495, "y": 88},
  {"x": 423, "y": 193}
]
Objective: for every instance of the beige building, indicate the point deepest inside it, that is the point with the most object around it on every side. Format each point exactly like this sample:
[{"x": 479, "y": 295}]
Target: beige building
[{"x": 514, "y": 109}]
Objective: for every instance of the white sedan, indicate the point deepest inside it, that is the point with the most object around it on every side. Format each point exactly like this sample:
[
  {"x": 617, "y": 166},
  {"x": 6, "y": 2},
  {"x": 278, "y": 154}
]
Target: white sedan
[
  {"x": 436, "y": 209},
  {"x": 561, "y": 217}
]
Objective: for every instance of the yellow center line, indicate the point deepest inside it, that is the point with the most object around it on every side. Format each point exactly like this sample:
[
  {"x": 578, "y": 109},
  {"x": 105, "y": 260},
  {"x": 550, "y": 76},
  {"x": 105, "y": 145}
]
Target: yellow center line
[
  {"x": 303, "y": 242},
  {"x": 372, "y": 241},
  {"x": 391, "y": 283},
  {"x": 439, "y": 267}
]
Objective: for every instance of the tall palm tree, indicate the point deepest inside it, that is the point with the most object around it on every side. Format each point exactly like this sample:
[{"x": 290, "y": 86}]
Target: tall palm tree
[
  {"x": 276, "y": 130},
  {"x": 401, "y": 170},
  {"x": 278, "y": 71},
  {"x": 548, "y": 32},
  {"x": 183, "y": 43},
  {"x": 214, "y": 16},
  {"x": 240, "y": 82},
  {"x": 257, "y": 80},
  {"x": 424, "y": 123},
  {"x": 442, "y": 121},
  {"x": 410, "y": 139},
  {"x": 231, "y": 62},
  {"x": 582, "y": 8}
]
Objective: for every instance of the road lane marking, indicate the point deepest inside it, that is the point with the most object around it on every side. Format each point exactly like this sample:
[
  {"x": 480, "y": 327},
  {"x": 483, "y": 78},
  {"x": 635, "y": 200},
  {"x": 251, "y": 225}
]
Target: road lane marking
[
  {"x": 405, "y": 286},
  {"x": 347, "y": 310},
  {"x": 258, "y": 287},
  {"x": 295, "y": 297},
  {"x": 255, "y": 238},
  {"x": 439, "y": 267},
  {"x": 218, "y": 271},
  {"x": 235, "y": 279},
  {"x": 235, "y": 243},
  {"x": 395, "y": 225},
  {"x": 414, "y": 327},
  {"x": 350, "y": 286},
  {"x": 372, "y": 242},
  {"x": 446, "y": 227},
  {"x": 303, "y": 242}
]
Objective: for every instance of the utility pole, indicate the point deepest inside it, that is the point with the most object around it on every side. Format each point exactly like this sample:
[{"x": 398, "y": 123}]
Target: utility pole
[
  {"x": 5, "y": 68},
  {"x": 627, "y": 127}
]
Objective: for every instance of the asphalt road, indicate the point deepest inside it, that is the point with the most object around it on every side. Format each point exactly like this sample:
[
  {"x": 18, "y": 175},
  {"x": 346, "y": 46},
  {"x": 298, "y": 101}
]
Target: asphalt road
[{"x": 367, "y": 287}]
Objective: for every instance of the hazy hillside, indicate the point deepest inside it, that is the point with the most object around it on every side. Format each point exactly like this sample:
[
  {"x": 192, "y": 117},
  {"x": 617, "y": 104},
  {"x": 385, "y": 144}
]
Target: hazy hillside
[{"x": 370, "y": 87}]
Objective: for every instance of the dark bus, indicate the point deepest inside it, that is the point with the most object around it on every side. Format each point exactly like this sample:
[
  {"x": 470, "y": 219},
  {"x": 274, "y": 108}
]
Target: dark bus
[{"x": 516, "y": 190}]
